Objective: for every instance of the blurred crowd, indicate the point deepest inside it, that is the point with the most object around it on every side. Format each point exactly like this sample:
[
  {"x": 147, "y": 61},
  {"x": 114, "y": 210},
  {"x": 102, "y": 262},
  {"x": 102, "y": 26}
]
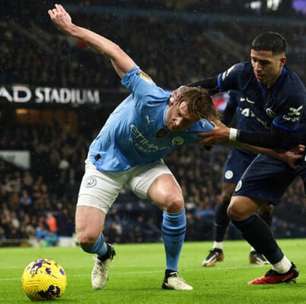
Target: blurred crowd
[
  {"x": 39, "y": 203},
  {"x": 247, "y": 7},
  {"x": 179, "y": 49}
]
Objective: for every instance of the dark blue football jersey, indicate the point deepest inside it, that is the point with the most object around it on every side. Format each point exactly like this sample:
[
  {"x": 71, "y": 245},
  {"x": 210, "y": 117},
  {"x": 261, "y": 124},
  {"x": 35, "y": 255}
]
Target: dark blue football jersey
[
  {"x": 282, "y": 106},
  {"x": 241, "y": 110},
  {"x": 239, "y": 114}
]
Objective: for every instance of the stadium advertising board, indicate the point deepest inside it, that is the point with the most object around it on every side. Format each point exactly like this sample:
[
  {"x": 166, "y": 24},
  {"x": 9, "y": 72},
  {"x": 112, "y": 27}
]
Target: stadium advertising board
[
  {"x": 46, "y": 95},
  {"x": 18, "y": 158}
]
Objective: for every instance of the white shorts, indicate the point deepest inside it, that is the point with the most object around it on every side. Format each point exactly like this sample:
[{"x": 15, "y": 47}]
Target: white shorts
[{"x": 100, "y": 189}]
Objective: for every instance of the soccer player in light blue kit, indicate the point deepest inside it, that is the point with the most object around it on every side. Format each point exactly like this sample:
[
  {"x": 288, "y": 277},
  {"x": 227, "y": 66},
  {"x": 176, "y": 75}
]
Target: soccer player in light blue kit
[{"x": 128, "y": 151}]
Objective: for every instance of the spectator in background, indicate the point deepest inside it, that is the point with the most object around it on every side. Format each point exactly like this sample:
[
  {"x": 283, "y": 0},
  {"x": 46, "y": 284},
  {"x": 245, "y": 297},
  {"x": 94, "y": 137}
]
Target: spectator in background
[
  {"x": 25, "y": 200},
  {"x": 51, "y": 223},
  {"x": 43, "y": 235}
]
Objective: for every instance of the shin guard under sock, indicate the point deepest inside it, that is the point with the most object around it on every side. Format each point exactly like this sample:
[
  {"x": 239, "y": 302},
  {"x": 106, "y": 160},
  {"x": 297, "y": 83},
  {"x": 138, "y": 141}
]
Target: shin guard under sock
[
  {"x": 173, "y": 233},
  {"x": 260, "y": 237},
  {"x": 221, "y": 222}
]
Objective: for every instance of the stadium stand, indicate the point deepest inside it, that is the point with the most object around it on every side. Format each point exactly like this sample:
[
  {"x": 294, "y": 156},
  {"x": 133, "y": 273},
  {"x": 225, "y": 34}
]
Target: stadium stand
[{"x": 38, "y": 203}]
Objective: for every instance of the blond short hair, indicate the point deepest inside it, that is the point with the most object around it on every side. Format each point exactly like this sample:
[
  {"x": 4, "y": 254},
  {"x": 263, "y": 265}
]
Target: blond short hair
[{"x": 199, "y": 102}]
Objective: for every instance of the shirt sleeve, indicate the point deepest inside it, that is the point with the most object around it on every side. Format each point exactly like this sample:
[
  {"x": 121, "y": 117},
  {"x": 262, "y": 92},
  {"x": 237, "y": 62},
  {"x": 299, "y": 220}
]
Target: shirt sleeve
[
  {"x": 229, "y": 80},
  {"x": 275, "y": 139},
  {"x": 138, "y": 82},
  {"x": 202, "y": 125},
  {"x": 209, "y": 84},
  {"x": 230, "y": 110},
  {"x": 286, "y": 130}
]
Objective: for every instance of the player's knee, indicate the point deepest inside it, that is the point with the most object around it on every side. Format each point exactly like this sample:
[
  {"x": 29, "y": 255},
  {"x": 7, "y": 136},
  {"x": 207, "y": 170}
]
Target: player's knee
[
  {"x": 87, "y": 238},
  {"x": 175, "y": 203},
  {"x": 235, "y": 212}
]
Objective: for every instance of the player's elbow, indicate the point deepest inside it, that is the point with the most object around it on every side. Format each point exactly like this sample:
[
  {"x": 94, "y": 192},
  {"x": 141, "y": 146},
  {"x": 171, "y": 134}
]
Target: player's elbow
[
  {"x": 117, "y": 53},
  {"x": 121, "y": 62}
]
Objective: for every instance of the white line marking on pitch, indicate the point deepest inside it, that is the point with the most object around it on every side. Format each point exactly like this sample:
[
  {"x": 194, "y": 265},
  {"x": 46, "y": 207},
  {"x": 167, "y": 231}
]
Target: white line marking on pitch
[{"x": 126, "y": 273}]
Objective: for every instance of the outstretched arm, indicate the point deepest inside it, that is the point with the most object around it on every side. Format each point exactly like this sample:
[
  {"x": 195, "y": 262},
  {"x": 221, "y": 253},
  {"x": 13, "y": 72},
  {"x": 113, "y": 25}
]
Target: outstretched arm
[
  {"x": 225, "y": 135},
  {"x": 290, "y": 157},
  {"x": 121, "y": 62},
  {"x": 209, "y": 83},
  {"x": 274, "y": 139}
]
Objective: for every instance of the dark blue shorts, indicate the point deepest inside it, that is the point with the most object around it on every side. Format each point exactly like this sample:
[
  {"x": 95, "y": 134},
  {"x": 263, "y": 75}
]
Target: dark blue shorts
[
  {"x": 236, "y": 163},
  {"x": 267, "y": 179}
]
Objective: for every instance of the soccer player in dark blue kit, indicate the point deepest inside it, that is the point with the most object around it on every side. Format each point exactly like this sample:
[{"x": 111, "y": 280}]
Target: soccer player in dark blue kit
[
  {"x": 238, "y": 113},
  {"x": 277, "y": 97}
]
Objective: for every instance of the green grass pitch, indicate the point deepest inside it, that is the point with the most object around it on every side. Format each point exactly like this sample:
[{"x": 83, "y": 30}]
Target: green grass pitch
[{"x": 137, "y": 272}]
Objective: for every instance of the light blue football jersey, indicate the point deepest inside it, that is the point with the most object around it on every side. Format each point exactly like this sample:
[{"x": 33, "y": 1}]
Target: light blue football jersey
[{"x": 131, "y": 134}]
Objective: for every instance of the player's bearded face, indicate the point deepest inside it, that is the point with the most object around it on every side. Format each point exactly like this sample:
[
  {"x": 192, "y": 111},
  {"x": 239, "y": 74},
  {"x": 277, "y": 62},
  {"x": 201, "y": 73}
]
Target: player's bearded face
[{"x": 267, "y": 66}]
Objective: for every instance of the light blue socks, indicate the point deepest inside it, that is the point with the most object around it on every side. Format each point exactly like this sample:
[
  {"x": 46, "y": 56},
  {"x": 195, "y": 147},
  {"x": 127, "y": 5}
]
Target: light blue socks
[
  {"x": 173, "y": 233},
  {"x": 99, "y": 247}
]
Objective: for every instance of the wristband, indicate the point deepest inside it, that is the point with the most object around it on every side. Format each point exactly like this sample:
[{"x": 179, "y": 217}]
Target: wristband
[{"x": 233, "y": 134}]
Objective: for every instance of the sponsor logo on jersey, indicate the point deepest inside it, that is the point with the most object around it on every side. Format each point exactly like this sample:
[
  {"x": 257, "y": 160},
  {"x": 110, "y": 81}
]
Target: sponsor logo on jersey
[
  {"x": 141, "y": 142},
  {"x": 294, "y": 114}
]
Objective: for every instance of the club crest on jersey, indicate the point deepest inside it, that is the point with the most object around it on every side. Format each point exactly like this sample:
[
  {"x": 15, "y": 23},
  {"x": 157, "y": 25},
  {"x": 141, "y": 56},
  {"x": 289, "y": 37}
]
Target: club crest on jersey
[
  {"x": 177, "y": 141},
  {"x": 270, "y": 113},
  {"x": 90, "y": 181}
]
